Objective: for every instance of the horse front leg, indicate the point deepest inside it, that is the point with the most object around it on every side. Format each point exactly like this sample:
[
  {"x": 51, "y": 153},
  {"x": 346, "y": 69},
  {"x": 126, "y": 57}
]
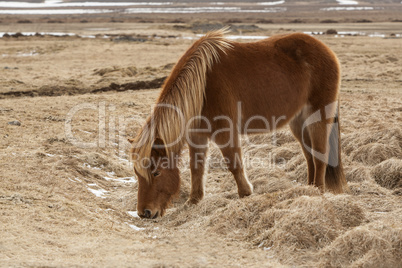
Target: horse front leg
[
  {"x": 233, "y": 157},
  {"x": 198, "y": 148}
]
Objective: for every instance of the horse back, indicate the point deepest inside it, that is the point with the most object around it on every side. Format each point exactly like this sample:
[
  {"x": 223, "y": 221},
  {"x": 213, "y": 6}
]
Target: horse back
[{"x": 273, "y": 78}]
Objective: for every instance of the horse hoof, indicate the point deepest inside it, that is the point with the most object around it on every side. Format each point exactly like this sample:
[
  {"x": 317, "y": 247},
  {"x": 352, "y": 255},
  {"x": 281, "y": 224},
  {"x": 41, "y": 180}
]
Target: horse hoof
[
  {"x": 246, "y": 192},
  {"x": 191, "y": 202},
  {"x": 241, "y": 195}
]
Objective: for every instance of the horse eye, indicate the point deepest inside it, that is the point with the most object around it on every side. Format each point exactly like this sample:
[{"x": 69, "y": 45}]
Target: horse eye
[{"x": 156, "y": 174}]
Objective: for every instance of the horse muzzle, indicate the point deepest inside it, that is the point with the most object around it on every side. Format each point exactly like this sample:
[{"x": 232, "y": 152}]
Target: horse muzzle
[{"x": 148, "y": 214}]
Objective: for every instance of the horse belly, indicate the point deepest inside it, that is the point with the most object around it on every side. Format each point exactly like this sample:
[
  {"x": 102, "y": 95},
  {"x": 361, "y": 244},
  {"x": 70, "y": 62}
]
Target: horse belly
[
  {"x": 270, "y": 105},
  {"x": 258, "y": 104}
]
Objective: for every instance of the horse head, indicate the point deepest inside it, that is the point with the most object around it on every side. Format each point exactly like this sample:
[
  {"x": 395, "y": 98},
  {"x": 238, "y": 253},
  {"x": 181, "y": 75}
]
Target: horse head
[{"x": 159, "y": 185}]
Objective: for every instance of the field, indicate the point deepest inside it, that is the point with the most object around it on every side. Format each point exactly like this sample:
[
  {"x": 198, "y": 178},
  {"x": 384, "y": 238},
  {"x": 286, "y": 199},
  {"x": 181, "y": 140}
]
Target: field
[{"x": 65, "y": 193}]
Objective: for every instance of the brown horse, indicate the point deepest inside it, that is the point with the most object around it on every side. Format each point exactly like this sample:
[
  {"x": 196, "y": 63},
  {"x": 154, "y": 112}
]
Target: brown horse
[{"x": 221, "y": 89}]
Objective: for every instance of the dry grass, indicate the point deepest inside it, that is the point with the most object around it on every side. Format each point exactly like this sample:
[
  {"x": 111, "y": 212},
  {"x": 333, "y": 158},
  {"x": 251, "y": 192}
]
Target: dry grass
[
  {"x": 388, "y": 173},
  {"x": 50, "y": 217}
]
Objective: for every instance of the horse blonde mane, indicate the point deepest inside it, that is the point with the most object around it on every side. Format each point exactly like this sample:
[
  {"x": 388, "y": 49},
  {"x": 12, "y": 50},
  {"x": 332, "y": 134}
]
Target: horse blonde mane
[{"x": 180, "y": 101}]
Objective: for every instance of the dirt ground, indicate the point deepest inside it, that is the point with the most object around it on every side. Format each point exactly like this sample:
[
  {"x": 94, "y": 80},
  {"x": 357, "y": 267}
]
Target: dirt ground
[{"x": 65, "y": 201}]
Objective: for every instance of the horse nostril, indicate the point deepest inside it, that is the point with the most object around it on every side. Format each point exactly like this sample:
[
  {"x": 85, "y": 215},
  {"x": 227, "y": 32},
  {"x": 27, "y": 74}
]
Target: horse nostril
[{"x": 147, "y": 213}]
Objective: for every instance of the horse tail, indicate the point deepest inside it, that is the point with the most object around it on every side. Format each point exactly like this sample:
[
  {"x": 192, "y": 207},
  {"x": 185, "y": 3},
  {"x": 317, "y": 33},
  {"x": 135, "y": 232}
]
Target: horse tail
[
  {"x": 334, "y": 176},
  {"x": 181, "y": 100}
]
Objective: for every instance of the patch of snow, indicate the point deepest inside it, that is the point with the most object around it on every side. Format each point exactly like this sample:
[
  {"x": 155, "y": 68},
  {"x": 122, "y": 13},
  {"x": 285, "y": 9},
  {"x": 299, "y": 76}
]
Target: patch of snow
[
  {"x": 246, "y": 37},
  {"x": 187, "y": 37},
  {"x": 193, "y": 10},
  {"x": 133, "y": 214},
  {"x": 74, "y": 179},
  {"x": 89, "y": 166},
  {"x": 122, "y": 180},
  {"x": 346, "y": 8},
  {"x": 53, "y": 11},
  {"x": 85, "y": 131},
  {"x": 377, "y": 35},
  {"x": 347, "y": 2},
  {"x": 111, "y": 173},
  {"x": 153, "y": 3},
  {"x": 351, "y": 33},
  {"x": 29, "y": 54},
  {"x": 123, "y": 160},
  {"x": 88, "y": 36},
  {"x": 136, "y": 227},
  {"x": 232, "y": 37},
  {"x": 42, "y": 33},
  {"x": 60, "y": 4},
  {"x": 97, "y": 192},
  {"x": 53, "y": 1},
  {"x": 313, "y": 33},
  {"x": 271, "y": 3}
]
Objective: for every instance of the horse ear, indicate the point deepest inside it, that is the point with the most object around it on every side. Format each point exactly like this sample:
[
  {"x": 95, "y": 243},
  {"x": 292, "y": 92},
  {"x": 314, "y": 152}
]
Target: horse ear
[{"x": 159, "y": 147}]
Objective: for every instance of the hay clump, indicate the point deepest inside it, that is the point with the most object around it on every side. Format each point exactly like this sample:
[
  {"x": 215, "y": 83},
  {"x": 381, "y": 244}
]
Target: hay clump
[
  {"x": 270, "y": 185},
  {"x": 196, "y": 215},
  {"x": 367, "y": 187},
  {"x": 349, "y": 213},
  {"x": 281, "y": 137},
  {"x": 116, "y": 71},
  {"x": 285, "y": 153},
  {"x": 297, "y": 219},
  {"x": 96, "y": 160},
  {"x": 296, "y": 169},
  {"x": 361, "y": 247},
  {"x": 184, "y": 190},
  {"x": 388, "y": 174},
  {"x": 293, "y": 230},
  {"x": 353, "y": 142},
  {"x": 375, "y": 153},
  {"x": 236, "y": 218},
  {"x": 356, "y": 173},
  {"x": 310, "y": 223},
  {"x": 298, "y": 191}
]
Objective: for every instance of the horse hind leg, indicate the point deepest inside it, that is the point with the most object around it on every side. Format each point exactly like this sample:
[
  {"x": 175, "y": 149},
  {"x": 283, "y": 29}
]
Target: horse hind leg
[
  {"x": 319, "y": 143},
  {"x": 296, "y": 126},
  {"x": 312, "y": 132}
]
